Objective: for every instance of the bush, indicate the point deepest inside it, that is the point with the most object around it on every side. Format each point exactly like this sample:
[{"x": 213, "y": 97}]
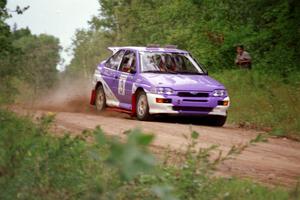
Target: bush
[
  {"x": 261, "y": 100},
  {"x": 35, "y": 165}
]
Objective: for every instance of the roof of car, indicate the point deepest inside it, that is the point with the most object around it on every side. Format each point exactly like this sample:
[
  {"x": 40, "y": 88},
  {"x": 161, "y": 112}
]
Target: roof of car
[{"x": 156, "y": 49}]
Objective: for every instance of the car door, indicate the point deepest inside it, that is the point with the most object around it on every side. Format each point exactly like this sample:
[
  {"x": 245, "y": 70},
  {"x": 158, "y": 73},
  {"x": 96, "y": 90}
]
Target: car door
[
  {"x": 127, "y": 71},
  {"x": 110, "y": 76}
]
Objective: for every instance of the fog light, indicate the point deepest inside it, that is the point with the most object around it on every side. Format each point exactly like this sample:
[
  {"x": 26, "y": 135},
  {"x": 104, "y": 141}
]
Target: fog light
[
  {"x": 223, "y": 103},
  {"x": 162, "y": 100}
]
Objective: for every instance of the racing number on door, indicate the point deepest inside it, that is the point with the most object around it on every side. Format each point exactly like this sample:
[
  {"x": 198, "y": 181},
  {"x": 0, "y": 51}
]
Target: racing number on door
[{"x": 121, "y": 86}]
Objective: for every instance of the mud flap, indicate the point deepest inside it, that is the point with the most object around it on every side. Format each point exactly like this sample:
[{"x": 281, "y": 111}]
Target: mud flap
[
  {"x": 133, "y": 105},
  {"x": 93, "y": 97}
]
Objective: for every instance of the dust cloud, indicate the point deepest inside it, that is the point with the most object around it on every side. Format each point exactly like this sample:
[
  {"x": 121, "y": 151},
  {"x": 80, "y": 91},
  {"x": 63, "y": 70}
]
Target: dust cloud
[
  {"x": 69, "y": 95},
  {"x": 72, "y": 95}
]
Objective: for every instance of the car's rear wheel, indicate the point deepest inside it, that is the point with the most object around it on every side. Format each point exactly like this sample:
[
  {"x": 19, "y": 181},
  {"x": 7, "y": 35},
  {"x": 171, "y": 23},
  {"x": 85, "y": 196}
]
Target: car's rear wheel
[
  {"x": 142, "y": 107},
  {"x": 100, "y": 99},
  {"x": 217, "y": 120}
]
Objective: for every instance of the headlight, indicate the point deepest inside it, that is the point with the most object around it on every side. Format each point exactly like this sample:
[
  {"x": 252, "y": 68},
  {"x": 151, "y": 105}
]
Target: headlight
[
  {"x": 162, "y": 90},
  {"x": 219, "y": 93}
]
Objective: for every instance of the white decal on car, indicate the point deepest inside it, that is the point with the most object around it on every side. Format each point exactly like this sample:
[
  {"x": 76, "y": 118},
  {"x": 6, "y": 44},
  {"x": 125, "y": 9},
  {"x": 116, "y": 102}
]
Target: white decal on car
[
  {"x": 121, "y": 85},
  {"x": 111, "y": 99},
  {"x": 133, "y": 88}
]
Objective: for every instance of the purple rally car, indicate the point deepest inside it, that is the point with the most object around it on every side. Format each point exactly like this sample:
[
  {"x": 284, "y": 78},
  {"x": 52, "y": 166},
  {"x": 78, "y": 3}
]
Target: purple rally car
[{"x": 147, "y": 81}]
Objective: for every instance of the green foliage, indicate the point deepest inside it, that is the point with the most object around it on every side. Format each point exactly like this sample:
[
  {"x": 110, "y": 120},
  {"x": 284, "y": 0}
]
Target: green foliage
[
  {"x": 259, "y": 138},
  {"x": 132, "y": 157},
  {"x": 40, "y": 56},
  {"x": 36, "y": 165},
  {"x": 7, "y": 58},
  {"x": 210, "y": 29},
  {"x": 260, "y": 101},
  {"x": 88, "y": 52},
  {"x": 236, "y": 189},
  {"x": 25, "y": 58},
  {"x": 195, "y": 135}
]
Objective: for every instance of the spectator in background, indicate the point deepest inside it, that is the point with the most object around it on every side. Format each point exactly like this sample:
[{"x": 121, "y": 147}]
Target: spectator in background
[{"x": 243, "y": 58}]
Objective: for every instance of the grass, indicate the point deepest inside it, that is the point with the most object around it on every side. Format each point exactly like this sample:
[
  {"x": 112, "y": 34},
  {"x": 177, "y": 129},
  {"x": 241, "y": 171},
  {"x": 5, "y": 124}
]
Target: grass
[
  {"x": 36, "y": 165},
  {"x": 264, "y": 101}
]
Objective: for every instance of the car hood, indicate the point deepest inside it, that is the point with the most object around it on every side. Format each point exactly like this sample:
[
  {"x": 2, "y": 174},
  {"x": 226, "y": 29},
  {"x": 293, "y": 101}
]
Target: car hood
[{"x": 182, "y": 82}]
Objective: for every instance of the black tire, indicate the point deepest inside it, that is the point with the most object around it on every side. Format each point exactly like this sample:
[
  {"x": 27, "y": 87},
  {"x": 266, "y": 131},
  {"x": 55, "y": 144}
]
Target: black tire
[
  {"x": 217, "y": 120},
  {"x": 142, "y": 107},
  {"x": 100, "y": 101}
]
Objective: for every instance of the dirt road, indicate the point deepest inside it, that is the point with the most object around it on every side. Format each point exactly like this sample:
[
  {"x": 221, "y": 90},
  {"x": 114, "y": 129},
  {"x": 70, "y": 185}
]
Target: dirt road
[{"x": 276, "y": 162}]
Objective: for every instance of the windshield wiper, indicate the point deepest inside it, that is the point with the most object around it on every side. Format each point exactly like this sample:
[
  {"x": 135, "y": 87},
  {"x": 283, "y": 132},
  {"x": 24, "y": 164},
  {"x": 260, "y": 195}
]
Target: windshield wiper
[
  {"x": 152, "y": 71},
  {"x": 172, "y": 72},
  {"x": 162, "y": 72},
  {"x": 192, "y": 73}
]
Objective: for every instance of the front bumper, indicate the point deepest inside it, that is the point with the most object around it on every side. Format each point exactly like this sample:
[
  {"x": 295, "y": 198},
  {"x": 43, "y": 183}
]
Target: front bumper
[{"x": 187, "y": 106}]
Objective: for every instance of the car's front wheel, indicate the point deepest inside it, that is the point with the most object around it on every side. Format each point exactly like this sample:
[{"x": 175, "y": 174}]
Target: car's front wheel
[
  {"x": 142, "y": 107},
  {"x": 100, "y": 99}
]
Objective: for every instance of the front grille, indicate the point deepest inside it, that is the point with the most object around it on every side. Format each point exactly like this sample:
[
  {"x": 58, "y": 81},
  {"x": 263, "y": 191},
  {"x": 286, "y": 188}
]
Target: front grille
[
  {"x": 194, "y": 100},
  {"x": 192, "y": 94},
  {"x": 192, "y": 108}
]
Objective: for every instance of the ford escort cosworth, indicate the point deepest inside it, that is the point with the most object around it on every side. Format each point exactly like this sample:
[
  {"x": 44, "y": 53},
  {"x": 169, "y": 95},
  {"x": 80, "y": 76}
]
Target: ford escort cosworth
[{"x": 147, "y": 81}]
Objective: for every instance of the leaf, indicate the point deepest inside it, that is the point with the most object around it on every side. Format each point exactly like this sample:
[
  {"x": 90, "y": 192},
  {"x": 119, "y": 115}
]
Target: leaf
[
  {"x": 195, "y": 135},
  {"x": 136, "y": 137},
  {"x": 132, "y": 158},
  {"x": 145, "y": 140}
]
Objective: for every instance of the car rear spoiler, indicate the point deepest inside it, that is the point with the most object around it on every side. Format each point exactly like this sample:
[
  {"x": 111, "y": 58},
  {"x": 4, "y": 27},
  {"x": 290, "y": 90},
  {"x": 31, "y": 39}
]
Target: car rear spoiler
[{"x": 114, "y": 49}]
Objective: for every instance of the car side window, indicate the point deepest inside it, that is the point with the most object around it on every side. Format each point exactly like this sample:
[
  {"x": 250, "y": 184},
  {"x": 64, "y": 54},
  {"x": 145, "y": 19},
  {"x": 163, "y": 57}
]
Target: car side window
[
  {"x": 129, "y": 62},
  {"x": 114, "y": 61}
]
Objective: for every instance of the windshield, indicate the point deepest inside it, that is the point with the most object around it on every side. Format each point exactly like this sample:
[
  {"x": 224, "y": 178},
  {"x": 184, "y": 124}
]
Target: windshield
[{"x": 161, "y": 62}]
